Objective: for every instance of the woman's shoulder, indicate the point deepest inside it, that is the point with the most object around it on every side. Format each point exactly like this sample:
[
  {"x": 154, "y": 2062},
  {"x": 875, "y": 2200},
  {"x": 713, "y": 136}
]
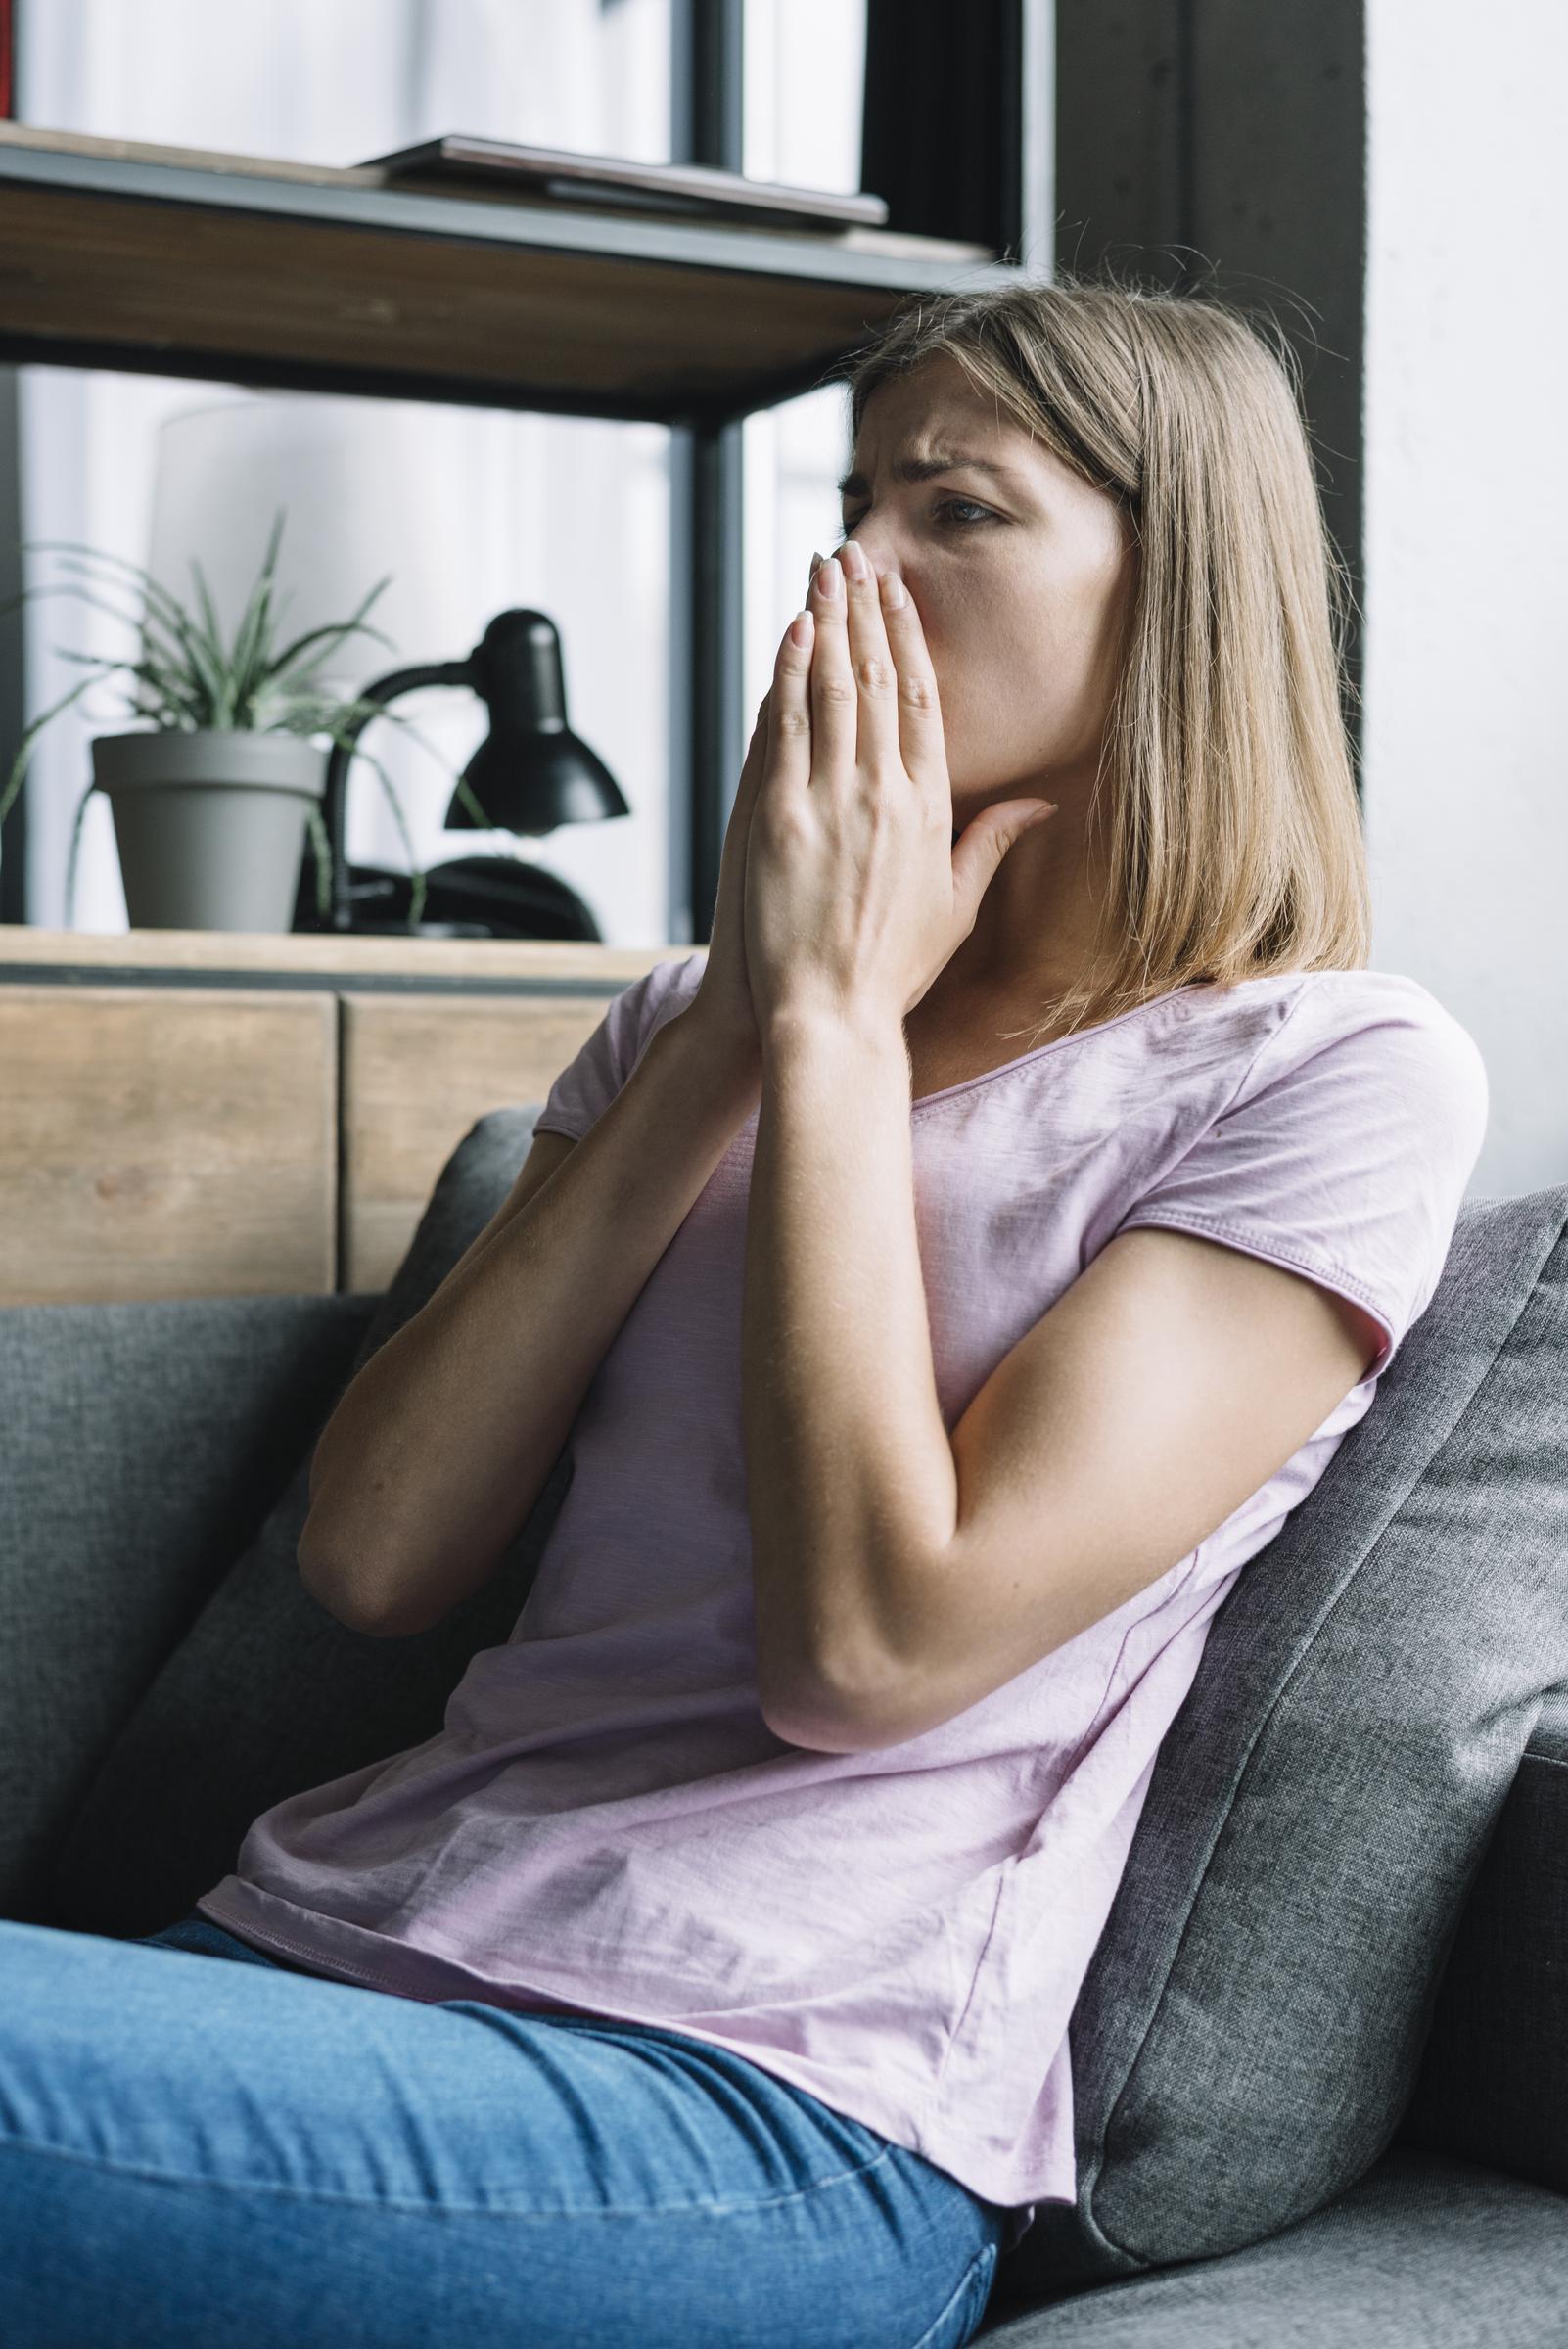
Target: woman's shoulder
[
  {"x": 1369, "y": 1028},
  {"x": 1334, "y": 1001},
  {"x": 1312, "y": 1002}
]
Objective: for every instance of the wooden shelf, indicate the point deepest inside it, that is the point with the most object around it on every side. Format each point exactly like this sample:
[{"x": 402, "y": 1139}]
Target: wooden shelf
[
  {"x": 236, "y": 268},
  {"x": 295, "y": 959}
]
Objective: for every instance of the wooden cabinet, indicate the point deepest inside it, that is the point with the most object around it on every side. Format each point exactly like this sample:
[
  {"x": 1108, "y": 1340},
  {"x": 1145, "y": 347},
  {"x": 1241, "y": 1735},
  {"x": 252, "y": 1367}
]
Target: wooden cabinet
[
  {"x": 157, "y": 1144},
  {"x": 202, "y": 1114},
  {"x": 416, "y": 1071}
]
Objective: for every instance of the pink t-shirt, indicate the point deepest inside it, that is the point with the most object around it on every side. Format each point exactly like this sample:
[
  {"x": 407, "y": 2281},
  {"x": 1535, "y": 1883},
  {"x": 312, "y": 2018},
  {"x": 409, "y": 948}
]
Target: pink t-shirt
[{"x": 606, "y": 1824}]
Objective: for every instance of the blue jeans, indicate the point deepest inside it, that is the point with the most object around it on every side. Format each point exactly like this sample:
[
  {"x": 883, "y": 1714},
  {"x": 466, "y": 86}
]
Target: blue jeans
[{"x": 191, "y": 2155}]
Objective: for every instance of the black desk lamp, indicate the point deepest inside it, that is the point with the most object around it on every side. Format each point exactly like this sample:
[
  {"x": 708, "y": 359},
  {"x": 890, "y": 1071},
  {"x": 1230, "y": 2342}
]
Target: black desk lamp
[{"x": 529, "y": 774}]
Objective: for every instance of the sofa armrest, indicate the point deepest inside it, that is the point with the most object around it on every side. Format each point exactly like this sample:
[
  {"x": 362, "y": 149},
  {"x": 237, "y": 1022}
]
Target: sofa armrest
[
  {"x": 1494, "y": 2081},
  {"x": 141, "y": 1445}
]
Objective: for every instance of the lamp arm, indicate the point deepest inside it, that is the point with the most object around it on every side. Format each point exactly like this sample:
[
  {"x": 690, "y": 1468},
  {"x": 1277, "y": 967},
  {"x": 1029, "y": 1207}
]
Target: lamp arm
[{"x": 384, "y": 690}]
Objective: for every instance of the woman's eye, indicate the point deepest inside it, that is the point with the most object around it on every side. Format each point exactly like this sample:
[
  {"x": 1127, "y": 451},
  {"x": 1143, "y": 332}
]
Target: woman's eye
[
  {"x": 948, "y": 506},
  {"x": 947, "y": 511}
]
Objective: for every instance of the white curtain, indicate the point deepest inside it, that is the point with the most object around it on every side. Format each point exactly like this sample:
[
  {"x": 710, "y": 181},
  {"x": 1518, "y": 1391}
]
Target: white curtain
[{"x": 568, "y": 514}]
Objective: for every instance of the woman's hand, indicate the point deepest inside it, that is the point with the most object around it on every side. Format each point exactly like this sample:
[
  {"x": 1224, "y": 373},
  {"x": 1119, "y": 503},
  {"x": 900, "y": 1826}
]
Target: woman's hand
[
  {"x": 856, "y": 896},
  {"x": 723, "y": 994}
]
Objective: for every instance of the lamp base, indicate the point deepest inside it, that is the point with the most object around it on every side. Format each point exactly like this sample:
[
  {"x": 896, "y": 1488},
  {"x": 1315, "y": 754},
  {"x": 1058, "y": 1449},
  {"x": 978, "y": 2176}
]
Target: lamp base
[
  {"x": 417, "y": 930},
  {"x": 474, "y": 897}
]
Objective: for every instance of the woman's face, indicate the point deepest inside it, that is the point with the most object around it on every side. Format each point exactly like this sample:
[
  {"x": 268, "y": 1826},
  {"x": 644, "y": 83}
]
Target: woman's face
[{"x": 1021, "y": 578}]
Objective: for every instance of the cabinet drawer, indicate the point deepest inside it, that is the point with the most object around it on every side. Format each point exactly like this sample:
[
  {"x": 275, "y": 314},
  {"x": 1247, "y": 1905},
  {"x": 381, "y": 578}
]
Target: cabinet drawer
[
  {"x": 417, "y": 1071},
  {"x": 165, "y": 1142}
]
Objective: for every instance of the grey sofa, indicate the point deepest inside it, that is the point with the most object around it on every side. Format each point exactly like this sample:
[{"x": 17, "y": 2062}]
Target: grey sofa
[{"x": 1320, "y": 2061}]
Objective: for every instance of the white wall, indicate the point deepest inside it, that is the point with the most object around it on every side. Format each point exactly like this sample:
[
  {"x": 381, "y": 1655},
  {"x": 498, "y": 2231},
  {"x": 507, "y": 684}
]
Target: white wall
[{"x": 1466, "y": 770}]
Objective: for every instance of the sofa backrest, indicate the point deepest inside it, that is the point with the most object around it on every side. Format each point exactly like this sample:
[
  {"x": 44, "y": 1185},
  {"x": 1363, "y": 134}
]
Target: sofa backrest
[{"x": 1251, "y": 2029}]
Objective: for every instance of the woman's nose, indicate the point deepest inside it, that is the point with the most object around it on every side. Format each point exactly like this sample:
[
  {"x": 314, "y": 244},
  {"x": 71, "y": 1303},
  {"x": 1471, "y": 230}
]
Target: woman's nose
[
  {"x": 884, "y": 552},
  {"x": 873, "y": 544}
]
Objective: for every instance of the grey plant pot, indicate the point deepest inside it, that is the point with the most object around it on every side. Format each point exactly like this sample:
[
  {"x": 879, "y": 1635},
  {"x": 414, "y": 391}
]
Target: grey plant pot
[{"x": 210, "y": 826}]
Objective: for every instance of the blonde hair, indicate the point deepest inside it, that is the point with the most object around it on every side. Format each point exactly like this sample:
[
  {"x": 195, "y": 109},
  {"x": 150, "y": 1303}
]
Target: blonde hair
[{"x": 1233, "y": 844}]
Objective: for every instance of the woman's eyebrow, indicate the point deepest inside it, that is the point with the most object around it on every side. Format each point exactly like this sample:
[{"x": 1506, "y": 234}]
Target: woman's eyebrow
[{"x": 923, "y": 468}]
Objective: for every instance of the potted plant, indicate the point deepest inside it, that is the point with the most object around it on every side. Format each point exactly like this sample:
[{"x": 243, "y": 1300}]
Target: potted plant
[{"x": 212, "y": 799}]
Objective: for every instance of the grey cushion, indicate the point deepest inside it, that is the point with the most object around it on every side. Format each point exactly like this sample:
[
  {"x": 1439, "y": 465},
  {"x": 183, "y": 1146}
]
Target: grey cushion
[
  {"x": 141, "y": 1446},
  {"x": 1494, "y": 2081},
  {"x": 1250, "y": 2031},
  {"x": 1421, "y": 2254},
  {"x": 267, "y": 1693}
]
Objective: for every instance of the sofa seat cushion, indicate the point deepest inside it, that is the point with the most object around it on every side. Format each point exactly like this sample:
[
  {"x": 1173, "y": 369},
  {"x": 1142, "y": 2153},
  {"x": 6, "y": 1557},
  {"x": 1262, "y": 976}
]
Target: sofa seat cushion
[{"x": 1421, "y": 2253}]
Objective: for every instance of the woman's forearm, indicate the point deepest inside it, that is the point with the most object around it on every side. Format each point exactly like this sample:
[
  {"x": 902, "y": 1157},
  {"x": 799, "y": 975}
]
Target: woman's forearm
[
  {"x": 850, "y": 1478},
  {"x": 440, "y": 1446}
]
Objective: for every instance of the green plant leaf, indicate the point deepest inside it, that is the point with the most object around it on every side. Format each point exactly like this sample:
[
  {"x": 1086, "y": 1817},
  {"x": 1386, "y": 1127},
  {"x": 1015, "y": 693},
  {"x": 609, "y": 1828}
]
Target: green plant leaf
[
  {"x": 185, "y": 649},
  {"x": 341, "y": 628},
  {"x": 209, "y": 617},
  {"x": 322, "y": 845},
  {"x": 29, "y": 735},
  {"x": 210, "y": 635},
  {"x": 74, "y": 587},
  {"x": 252, "y": 642},
  {"x": 152, "y": 587},
  {"x": 416, "y": 905},
  {"x": 465, "y": 792},
  {"x": 160, "y": 681},
  {"x": 343, "y": 734},
  {"x": 188, "y": 679}
]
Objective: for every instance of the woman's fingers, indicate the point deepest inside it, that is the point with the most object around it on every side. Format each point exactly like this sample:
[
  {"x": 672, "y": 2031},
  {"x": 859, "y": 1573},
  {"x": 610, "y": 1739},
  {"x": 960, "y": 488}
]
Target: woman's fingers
[
  {"x": 871, "y": 666},
  {"x": 751, "y": 774},
  {"x": 834, "y": 697},
  {"x": 920, "y": 739},
  {"x": 790, "y": 719}
]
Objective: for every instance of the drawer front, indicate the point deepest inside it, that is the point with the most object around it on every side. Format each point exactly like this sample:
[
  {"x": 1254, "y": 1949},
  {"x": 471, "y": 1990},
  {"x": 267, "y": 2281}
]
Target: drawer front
[
  {"x": 165, "y": 1142},
  {"x": 417, "y": 1071}
]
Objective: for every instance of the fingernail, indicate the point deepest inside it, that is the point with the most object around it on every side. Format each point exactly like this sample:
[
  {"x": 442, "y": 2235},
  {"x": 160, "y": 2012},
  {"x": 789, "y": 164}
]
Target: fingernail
[
  {"x": 854, "y": 558},
  {"x": 893, "y": 594},
  {"x": 830, "y": 579}
]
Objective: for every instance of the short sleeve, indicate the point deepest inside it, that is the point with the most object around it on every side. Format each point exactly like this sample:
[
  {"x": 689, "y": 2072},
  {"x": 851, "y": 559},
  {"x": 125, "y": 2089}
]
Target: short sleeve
[
  {"x": 589, "y": 1083},
  {"x": 1347, "y": 1150}
]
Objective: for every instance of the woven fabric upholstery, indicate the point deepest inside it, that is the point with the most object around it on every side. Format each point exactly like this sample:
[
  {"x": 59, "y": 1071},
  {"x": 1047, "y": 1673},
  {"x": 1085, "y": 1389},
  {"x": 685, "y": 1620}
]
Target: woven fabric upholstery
[
  {"x": 1251, "y": 2028},
  {"x": 1494, "y": 2081},
  {"x": 1420, "y": 2254},
  {"x": 142, "y": 1444},
  {"x": 267, "y": 1693}
]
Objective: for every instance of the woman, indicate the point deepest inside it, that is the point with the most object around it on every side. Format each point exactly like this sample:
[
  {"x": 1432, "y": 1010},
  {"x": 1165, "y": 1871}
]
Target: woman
[{"x": 961, "y": 1271}]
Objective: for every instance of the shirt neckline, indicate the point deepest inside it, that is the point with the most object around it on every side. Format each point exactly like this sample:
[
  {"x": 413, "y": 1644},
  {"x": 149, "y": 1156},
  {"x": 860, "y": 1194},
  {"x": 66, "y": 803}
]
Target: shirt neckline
[{"x": 1078, "y": 1036}]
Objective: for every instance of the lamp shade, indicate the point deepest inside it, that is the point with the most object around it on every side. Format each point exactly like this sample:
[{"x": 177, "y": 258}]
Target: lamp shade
[{"x": 530, "y": 772}]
